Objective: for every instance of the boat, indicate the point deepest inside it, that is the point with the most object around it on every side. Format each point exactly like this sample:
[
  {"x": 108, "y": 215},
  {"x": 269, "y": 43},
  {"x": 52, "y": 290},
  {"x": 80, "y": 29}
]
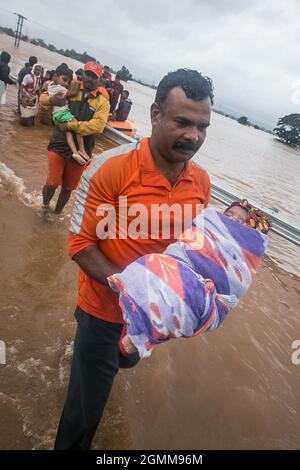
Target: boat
[{"x": 126, "y": 127}]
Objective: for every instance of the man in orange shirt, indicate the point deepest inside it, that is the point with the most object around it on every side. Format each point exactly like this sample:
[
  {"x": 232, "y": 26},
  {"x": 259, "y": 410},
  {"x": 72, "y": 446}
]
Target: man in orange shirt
[
  {"x": 139, "y": 177},
  {"x": 91, "y": 110}
]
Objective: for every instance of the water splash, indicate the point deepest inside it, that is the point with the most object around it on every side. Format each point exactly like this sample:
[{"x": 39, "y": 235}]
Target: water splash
[{"x": 14, "y": 186}]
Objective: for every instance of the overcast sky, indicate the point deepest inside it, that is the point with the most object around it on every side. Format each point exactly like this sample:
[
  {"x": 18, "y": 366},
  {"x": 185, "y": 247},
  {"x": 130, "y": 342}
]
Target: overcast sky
[{"x": 249, "y": 49}]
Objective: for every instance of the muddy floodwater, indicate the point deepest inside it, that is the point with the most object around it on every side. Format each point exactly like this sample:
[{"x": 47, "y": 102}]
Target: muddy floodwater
[{"x": 234, "y": 388}]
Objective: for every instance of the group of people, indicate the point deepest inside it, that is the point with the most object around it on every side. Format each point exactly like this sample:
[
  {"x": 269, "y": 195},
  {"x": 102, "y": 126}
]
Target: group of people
[
  {"x": 80, "y": 109},
  {"x": 78, "y": 104},
  {"x": 32, "y": 81},
  {"x": 136, "y": 292},
  {"x": 30, "y": 84}
]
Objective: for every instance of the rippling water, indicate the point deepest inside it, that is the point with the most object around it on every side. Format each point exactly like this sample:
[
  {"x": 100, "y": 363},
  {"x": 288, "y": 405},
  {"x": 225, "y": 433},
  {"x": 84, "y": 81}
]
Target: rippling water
[{"x": 232, "y": 388}]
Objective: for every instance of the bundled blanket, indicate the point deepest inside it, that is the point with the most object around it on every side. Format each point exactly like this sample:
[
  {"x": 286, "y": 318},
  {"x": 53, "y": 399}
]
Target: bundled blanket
[{"x": 191, "y": 286}]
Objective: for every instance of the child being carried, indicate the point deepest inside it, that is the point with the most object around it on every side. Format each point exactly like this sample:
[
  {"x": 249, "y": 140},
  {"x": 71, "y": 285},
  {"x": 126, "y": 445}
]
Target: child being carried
[
  {"x": 192, "y": 286},
  {"x": 62, "y": 84}
]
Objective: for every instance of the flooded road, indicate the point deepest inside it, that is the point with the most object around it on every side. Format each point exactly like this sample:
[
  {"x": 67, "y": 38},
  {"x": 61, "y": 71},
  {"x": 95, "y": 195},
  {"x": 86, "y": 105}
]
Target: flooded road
[{"x": 235, "y": 388}]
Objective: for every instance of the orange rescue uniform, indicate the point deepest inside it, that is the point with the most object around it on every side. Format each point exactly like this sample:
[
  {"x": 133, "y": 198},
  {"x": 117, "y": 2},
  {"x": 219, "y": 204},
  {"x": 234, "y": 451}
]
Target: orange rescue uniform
[{"x": 129, "y": 172}]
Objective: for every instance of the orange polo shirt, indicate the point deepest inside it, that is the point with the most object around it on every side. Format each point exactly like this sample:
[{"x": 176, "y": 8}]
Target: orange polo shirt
[{"x": 129, "y": 171}]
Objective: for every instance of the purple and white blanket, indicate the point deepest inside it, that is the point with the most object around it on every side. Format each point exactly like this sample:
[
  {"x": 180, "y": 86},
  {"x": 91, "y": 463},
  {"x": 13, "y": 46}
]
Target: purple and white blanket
[{"x": 191, "y": 286}]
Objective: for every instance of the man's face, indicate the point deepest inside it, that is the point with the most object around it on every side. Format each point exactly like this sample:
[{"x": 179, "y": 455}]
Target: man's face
[
  {"x": 179, "y": 128},
  {"x": 90, "y": 81}
]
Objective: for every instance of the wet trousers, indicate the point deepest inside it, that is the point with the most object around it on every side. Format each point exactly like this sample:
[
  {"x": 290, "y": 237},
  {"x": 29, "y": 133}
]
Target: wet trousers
[{"x": 96, "y": 361}]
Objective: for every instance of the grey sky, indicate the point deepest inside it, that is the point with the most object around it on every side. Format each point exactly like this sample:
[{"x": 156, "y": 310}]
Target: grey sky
[{"x": 250, "y": 49}]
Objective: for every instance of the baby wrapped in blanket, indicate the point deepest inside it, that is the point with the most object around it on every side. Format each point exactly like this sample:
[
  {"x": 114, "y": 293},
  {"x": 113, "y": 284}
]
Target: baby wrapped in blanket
[{"x": 191, "y": 287}]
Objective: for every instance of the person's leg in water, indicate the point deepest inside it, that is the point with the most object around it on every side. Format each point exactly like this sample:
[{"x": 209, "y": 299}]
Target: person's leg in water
[
  {"x": 62, "y": 200},
  {"x": 56, "y": 166},
  {"x": 75, "y": 153},
  {"x": 48, "y": 193},
  {"x": 96, "y": 362}
]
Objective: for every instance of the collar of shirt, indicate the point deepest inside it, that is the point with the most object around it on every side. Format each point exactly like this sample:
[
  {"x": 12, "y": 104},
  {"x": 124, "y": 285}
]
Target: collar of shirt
[
  {"x": 151, "y": 176},
  {"x": 93, "y": 92}
]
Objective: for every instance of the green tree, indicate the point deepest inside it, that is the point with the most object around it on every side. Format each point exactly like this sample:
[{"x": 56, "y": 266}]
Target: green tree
[
  {"x": 41, "y": 43},
  {"x": 288, "y": 129},
  {"x": 243, "y": 120},
  {"x": 52, "y": 48},
  {"x": 124, "y": 74},
  {"x": 8, "y": 31},
  {"x": 85, "y": 57}
]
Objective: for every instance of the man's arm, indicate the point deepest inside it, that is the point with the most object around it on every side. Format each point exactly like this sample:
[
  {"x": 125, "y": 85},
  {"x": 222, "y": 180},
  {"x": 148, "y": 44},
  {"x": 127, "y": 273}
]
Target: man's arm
[
  {"x": 95, "y": 264},
  {"x": 95, "y": 125},
  {"x": 99, "y": 186}
]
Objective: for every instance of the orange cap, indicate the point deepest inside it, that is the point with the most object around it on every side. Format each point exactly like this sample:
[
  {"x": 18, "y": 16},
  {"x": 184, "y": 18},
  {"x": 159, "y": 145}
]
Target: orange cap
[{"x": 93, "y": 67}]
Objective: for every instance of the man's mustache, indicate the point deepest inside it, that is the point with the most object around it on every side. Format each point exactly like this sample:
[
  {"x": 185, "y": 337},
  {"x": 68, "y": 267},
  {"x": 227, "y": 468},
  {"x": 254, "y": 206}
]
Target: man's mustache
[{"x": 186, "y": 145}]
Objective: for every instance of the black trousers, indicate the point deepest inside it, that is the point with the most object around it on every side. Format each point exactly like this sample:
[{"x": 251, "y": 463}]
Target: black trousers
[{"x": 95, "y": 363}]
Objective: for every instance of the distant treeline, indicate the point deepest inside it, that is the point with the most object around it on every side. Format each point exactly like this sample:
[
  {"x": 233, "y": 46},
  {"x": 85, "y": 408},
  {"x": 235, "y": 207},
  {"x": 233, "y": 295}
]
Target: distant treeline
[
  {"x": 243, "y": 120},
  {"x": 81, "y": 57},
  {"x": 287, "y": 130},
  {"x": 154, "y": 87}
]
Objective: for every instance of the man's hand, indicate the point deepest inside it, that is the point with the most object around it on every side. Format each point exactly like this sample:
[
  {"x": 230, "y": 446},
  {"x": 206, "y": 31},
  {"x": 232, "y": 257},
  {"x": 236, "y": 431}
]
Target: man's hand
[
  {"x": 57, "y": 100},
  {"x": 63, "y": 127}
]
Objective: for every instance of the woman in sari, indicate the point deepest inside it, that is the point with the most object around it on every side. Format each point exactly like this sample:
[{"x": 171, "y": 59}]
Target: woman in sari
[{"x": 30, "y": 89}]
